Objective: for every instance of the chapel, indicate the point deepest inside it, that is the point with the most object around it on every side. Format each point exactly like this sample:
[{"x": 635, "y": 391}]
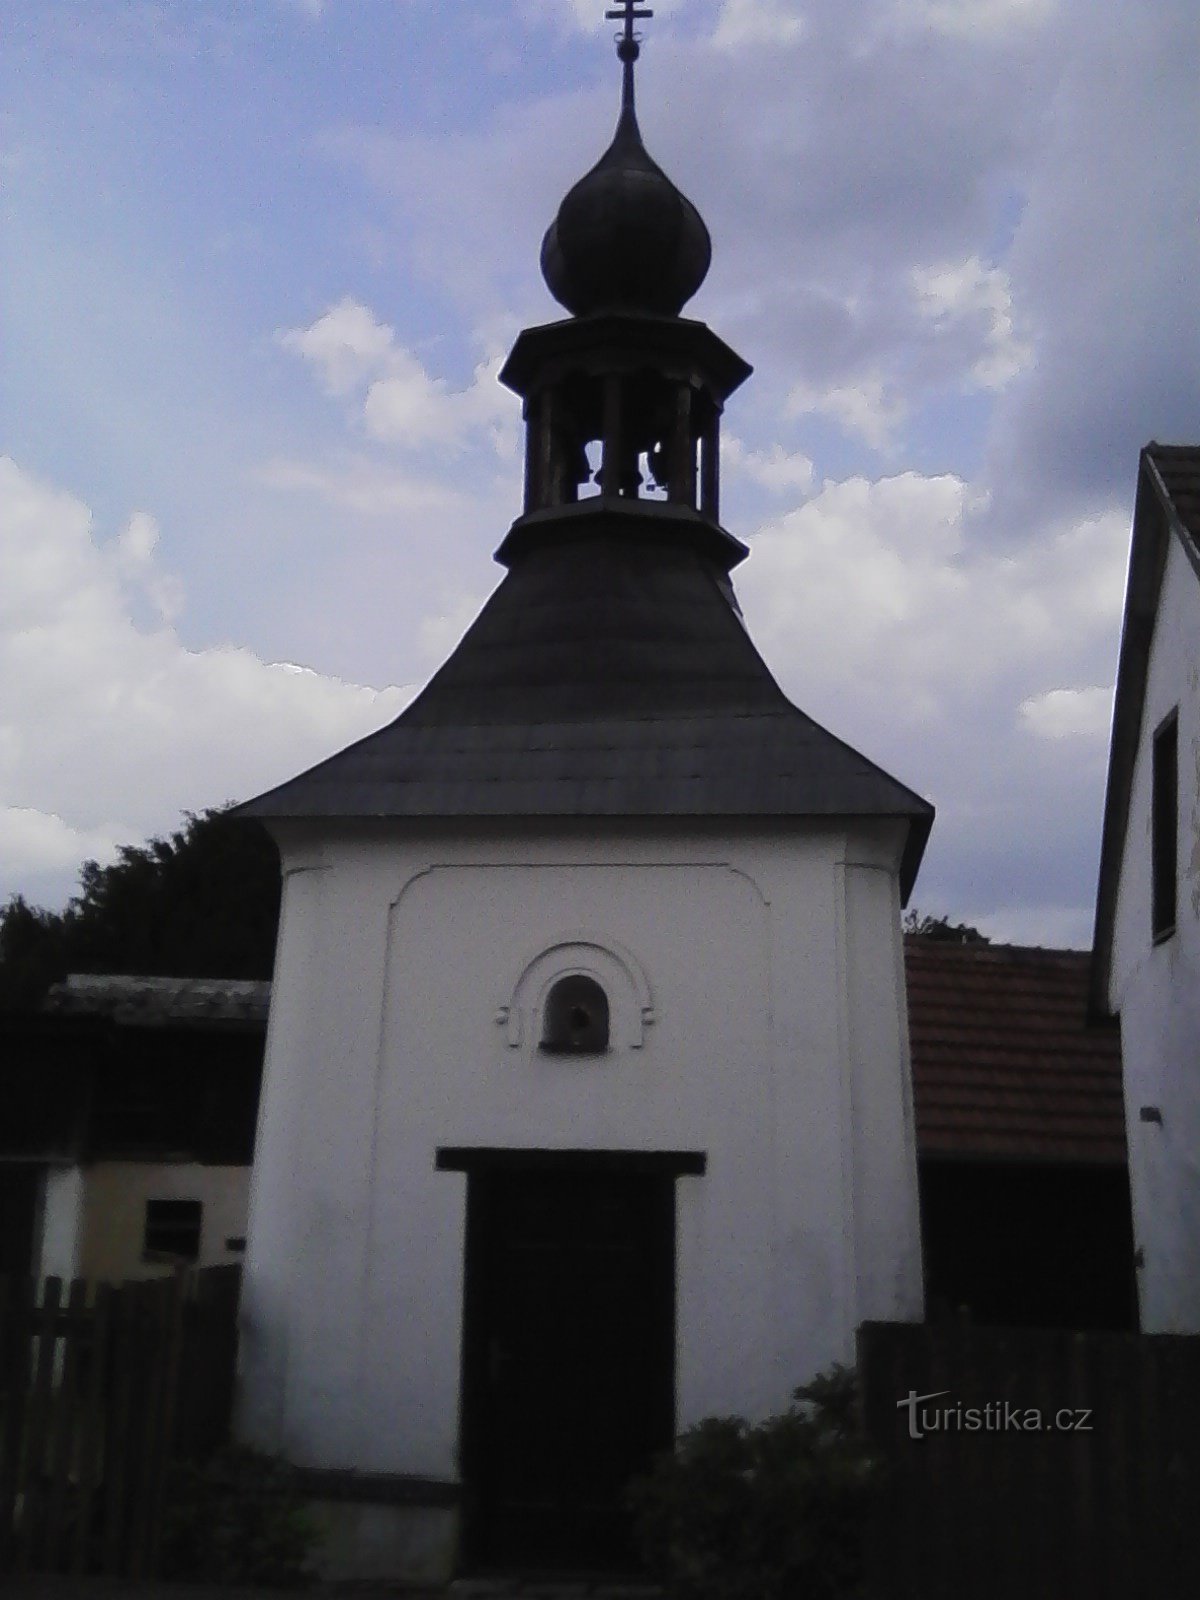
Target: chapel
[{"x": 587, "y": 1108}]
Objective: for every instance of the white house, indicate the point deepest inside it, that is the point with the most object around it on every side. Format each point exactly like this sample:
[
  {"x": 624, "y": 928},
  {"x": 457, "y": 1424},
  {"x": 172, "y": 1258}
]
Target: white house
[
  {"x": 587, "y": 1107},
  {"x": 1147, "y": 945}
]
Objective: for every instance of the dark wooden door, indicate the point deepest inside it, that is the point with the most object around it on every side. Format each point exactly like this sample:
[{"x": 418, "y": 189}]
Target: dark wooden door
[{"x": 568, "y": 1360}]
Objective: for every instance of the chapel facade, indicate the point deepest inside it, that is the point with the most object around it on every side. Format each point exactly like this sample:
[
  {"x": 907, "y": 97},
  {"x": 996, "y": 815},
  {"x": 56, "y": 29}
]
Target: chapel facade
[{"x": 587, "y": 1107}]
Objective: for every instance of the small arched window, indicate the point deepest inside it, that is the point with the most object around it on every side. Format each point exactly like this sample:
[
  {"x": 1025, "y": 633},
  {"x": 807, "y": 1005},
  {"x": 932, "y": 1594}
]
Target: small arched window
[{"x": 575, "y": 1020}]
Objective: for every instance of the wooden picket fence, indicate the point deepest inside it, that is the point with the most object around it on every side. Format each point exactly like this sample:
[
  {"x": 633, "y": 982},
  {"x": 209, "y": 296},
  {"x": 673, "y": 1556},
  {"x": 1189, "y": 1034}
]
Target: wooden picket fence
[
  {"x": 100, "y": 1390},
  {"x": 1102, "y": 1500}
]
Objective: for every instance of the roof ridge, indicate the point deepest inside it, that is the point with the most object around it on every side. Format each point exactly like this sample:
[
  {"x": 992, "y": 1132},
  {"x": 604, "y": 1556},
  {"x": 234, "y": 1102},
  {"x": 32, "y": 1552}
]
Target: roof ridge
[{"x": 978, "y": 946}]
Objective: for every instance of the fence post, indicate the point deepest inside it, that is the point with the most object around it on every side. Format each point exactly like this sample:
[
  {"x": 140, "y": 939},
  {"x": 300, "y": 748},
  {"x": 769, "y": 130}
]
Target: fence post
[
  {"x": 17, "y": 1301},
  {"x": 92, "y": 1442},
  {"x": 63, "y": 1440},
  {"x": 171, "y": 1369},
  {"x": 31, "y": 1478}
]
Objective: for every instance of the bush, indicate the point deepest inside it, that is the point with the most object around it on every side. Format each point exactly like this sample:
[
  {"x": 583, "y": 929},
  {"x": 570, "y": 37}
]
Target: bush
[
  {"x": 771, "y": 1511},
  {"x": 237, "y": 1518}
]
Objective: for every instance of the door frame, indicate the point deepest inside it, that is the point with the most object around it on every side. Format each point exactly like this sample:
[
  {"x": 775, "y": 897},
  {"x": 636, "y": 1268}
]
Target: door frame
[{"x": 481, "y": 1160}]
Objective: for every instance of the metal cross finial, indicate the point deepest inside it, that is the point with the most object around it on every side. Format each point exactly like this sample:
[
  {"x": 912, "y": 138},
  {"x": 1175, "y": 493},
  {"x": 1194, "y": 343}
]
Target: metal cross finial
[
  {"x": 627, "y": 43},
  {"x": 629, "y": 13}
]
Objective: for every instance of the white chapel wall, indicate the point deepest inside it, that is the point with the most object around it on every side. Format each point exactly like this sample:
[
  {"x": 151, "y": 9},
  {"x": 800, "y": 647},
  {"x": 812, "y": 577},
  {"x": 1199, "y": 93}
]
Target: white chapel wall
[
  {"x": 773, "y": 1040},
  {"x": 1156, "y": 988}
]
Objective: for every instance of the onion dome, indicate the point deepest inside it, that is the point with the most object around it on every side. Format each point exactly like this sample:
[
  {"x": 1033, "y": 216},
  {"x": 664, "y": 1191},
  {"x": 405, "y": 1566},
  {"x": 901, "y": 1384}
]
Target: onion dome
[{"x": 625, "y": 238}]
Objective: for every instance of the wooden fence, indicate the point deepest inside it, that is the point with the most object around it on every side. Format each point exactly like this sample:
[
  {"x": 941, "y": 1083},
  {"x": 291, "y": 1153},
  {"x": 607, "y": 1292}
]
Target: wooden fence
[
  {"x": 1032, "y": 1465},
  {"x": 99, "y": 1392}
]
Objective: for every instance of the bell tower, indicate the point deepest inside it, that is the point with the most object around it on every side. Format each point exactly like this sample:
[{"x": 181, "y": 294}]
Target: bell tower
[{"x": 623, "y": 400}]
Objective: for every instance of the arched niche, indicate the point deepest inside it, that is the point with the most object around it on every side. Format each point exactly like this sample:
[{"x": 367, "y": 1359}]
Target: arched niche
[
  {"x": 575, "y": 1017},
  {"x": 610, "y": 966}
]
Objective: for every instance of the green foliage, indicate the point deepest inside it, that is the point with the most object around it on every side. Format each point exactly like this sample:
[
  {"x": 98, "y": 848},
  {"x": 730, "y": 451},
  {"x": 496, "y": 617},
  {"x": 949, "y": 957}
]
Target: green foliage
[
  {"x": 238, "y": 1518},
  {"x": 941, "y": 928},
  {"x": 203, "y": 903},
  {"x": 774, "y": 1511},
  {"x": 29, "y": 941}
]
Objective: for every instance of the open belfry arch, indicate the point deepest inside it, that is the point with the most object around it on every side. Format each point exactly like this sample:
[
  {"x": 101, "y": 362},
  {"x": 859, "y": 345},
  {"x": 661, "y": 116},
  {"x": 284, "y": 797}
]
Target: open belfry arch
[{"x": 586, "y": 1110}]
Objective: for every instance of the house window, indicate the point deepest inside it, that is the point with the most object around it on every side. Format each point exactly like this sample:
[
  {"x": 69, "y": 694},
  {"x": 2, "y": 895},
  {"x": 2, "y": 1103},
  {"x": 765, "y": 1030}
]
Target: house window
[
  {"x": 575, "y": 1021},
  {"x": 172, "y": 1230},
  {"x": 1164, "y": 827}
]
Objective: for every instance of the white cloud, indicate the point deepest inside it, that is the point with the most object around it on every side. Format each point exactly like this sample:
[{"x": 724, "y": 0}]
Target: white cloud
[
  {"x": 347, "y": 344},
  {"x": 890, "y": 611},
  {"x": 758, "y": 22},
  {"x": 138, "y": 540},
  {"x": 575, "y": 16},
  {"x": 869, "y": 410},
  {"x": 134, "y": 555},
  {"x": 1069, "y": 713},
  {"x": 408, "y": 407},
  {"x": 967, "y": 296},
  {"x": 36, "y": 843},
  {"x": 897, "y": 577},
  {"x": 974, "y": 20},
  {"x": 108, "y": 730},
  {"x": 401, "y": 402},
  {"x": 779, "y": 470},
  {"x": 855, "y": 572},
  {"x": 364, "y": 487}
]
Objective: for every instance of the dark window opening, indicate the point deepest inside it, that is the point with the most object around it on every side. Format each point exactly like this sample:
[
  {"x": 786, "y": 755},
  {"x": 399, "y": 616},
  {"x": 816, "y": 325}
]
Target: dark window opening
[
  {"x": 576, "y": 1017},
  {"x": 1164, "y": 827},
  {"x": 172, "y": 1230}
]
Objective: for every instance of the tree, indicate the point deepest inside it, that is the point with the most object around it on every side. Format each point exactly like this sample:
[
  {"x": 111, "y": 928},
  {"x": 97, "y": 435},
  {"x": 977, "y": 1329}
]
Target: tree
[
  {"x": 941, "y": 928},
  {"x": 201, "y": 903}
]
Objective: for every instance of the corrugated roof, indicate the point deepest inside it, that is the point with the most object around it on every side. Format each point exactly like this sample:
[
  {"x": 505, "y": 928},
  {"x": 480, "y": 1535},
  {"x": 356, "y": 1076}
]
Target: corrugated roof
[
  {"x": 610, "y": 674},
  {"x": 159, "y": 1002},
  {"x": 1006, "y": 1064},
  {"x": 1167, "y": 506}
]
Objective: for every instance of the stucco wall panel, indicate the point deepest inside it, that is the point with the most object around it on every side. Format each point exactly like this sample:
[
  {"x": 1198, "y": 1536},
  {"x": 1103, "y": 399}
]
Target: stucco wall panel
[{"x": 114, "y": 1214}]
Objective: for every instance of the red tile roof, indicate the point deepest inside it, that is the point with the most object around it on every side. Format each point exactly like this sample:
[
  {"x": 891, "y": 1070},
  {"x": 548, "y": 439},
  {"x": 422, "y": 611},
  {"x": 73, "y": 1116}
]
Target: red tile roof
[{"x": 1005, "y": 1063}]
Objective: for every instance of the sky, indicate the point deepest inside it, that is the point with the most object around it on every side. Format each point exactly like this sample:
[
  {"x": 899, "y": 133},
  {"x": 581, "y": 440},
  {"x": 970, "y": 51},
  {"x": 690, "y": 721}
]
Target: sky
[{"x": 264, "y": 258}]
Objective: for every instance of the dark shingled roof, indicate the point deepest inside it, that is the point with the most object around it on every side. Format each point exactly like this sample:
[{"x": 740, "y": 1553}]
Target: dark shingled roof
[
  {"x": 1178, "y": 468},
  {"x": 1006, "y": 1065},
  {"x": 609, "y": 675},
  {"x": 1167, "y": 507}
]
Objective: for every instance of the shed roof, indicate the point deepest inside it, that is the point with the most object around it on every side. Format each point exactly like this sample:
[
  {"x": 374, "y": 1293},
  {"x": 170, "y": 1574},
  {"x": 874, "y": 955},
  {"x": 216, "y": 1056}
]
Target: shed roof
[
  {"x": 1006, "y": 1064},
  {"x": 1167, "y": 506},
  {"x": 150, "y": 1002},
  {"x": 610, "y": 674}
]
